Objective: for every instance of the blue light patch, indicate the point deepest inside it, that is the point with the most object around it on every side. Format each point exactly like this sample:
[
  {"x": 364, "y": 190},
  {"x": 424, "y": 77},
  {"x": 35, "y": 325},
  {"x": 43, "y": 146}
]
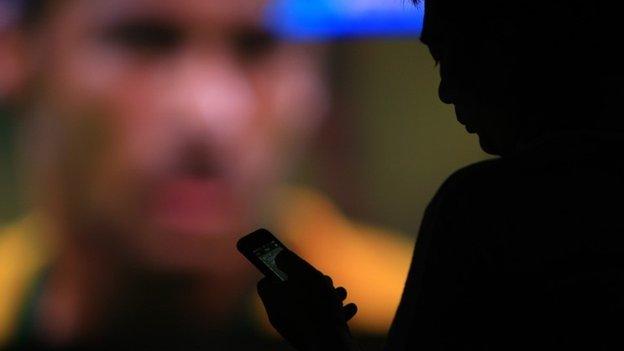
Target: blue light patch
[{"x": 332, "y": 19}]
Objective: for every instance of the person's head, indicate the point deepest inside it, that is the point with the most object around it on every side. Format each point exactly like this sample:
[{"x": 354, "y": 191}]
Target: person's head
[
  {"x": 159, "y": 127},
  {"x": 517, "y": 71}
]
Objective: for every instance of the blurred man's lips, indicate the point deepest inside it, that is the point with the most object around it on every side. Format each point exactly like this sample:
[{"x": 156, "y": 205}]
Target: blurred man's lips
[{"x": 189, "y": 205}]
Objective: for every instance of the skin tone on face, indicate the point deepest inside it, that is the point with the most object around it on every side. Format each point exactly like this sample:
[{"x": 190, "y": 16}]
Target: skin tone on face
[
  {"x": 157, "y": 129},
  {"x": 167, "y": 123}
]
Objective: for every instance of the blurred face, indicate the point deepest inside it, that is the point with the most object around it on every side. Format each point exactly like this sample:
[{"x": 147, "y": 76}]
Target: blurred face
[
  {"x": 475, "y": 71},
  {"x": 162, "y": 126}
]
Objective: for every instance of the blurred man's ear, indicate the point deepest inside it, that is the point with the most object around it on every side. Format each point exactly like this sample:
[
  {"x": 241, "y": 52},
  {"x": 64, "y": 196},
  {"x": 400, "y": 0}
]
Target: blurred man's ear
[{"x": 13, "y": 63}]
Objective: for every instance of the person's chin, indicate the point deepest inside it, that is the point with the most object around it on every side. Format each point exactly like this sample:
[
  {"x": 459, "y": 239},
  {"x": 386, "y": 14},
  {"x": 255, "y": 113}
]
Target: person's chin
[
  {"x": 496, "y": 146},
  {"x": 187, "y": 250},
  {"x": 488, "y": 145},
  {"x": 192, "y": 227},
  {"x": 185, "y": 241}
]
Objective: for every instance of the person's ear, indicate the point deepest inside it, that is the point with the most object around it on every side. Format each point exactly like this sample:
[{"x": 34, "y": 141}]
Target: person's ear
[{"x": 13, "y": 64}]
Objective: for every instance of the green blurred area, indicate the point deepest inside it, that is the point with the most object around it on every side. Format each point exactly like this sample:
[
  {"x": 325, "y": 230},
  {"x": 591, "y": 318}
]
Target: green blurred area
[
  {"x": 404, "y": 141},
  {"x": 388, "y": 146},
  {"x": 9, "y": 199}
]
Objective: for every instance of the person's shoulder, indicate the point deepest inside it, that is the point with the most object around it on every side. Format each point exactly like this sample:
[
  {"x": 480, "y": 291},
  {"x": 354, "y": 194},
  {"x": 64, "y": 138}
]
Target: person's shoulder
[
  {"x": 480, "y": 176},
  {"x": 479, "y": 170},
  {"x": 472, "y": 198}
]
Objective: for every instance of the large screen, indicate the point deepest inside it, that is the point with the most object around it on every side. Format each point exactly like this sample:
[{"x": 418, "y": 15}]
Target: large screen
[{"x": 330, "y": 19}]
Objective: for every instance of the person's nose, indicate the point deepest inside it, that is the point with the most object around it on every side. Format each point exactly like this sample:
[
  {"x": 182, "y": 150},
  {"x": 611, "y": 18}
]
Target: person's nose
[
  {"x": 448, "y": 90},
  {"x": 211, "y": 94}
]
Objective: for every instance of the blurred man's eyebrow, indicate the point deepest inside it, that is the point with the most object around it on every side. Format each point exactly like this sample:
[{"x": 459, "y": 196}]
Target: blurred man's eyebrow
[
  {"x": 254, "y": 28},
  {"x": 138, "y": 19}
]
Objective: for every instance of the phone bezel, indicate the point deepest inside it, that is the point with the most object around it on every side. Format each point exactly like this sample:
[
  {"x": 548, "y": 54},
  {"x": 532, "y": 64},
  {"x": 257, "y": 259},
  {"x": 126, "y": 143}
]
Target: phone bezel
[{"x": 247, "y": 244}]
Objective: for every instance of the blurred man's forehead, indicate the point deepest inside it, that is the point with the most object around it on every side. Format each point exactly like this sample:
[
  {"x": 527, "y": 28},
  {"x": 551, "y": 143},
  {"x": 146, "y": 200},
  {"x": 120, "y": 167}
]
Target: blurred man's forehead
[{"x": 199, "y": 12}]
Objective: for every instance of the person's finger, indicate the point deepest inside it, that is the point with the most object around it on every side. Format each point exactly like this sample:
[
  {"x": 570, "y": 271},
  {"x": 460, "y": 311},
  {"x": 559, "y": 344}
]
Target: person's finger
[
  {"x": 342, "y": 293},
  {"x": 350, "y": 311},
  {"x": 328, "y": 280}
]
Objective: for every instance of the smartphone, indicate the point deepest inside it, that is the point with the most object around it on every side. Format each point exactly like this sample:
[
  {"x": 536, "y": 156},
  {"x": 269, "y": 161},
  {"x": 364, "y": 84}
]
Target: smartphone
[{"x": 261, "y": 248}]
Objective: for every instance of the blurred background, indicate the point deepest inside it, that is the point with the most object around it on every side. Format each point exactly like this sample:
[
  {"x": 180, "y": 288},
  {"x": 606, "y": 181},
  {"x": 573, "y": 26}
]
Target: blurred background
[
  {"x": 389, "y": 143},
  {"x": 372, "y": 143},
  {"x": 387, "y": 147}
]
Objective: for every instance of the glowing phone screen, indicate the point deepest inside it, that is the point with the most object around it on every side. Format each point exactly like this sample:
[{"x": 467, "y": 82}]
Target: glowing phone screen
[{"x": 267, "y": 253}]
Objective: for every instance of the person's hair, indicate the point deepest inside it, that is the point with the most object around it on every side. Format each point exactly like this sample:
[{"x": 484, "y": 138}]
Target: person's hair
[
  {"x": 31, "y": 11},
  {"x": 564, "y": 52}
]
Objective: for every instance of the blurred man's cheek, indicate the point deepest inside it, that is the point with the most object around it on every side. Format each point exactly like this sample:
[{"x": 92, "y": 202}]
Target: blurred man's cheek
[
  {"x": 294, "y": 100},
  {"x": 85, "y": 139}
]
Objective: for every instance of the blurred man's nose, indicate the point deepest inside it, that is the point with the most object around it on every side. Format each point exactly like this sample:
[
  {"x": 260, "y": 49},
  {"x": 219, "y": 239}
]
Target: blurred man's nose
[{"x": 211, "y": 93}]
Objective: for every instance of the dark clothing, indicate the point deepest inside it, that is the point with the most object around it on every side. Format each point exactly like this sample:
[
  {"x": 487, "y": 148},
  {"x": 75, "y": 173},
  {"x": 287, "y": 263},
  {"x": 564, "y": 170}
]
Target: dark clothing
[{"x": 523, "y": 252}]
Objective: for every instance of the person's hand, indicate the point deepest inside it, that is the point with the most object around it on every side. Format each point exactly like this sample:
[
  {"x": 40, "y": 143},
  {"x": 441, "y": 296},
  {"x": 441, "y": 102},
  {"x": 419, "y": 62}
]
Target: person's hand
[{"x": 306, "y": 309}]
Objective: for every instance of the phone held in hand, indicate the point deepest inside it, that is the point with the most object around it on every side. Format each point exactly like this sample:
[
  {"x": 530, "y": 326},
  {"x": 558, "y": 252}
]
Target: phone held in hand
[{"x": 261, "y": 248}]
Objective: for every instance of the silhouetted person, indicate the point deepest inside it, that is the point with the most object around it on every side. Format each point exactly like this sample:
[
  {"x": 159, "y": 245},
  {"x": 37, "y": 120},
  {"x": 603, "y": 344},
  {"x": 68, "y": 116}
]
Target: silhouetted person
[{"x": 525, "y": 251}]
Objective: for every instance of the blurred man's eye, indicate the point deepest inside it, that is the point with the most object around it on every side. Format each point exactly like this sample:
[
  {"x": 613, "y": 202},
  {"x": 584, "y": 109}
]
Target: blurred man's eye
[
  {"x": 147, "y": 36},
  {"x": 252, "y": 44}
]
